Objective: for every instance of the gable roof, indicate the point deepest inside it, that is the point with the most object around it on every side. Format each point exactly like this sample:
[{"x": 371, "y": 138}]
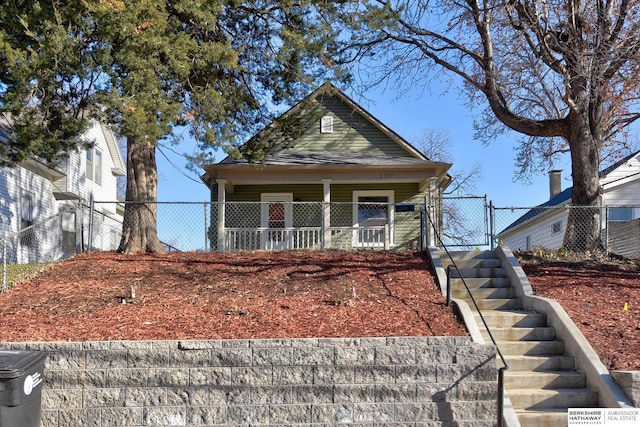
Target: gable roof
[
  {"x": 279, "y": 156},
  {"x": 562, "y": 198},
  {"x": 303, "y": 156},
  {"x": 119, "y": 167}
]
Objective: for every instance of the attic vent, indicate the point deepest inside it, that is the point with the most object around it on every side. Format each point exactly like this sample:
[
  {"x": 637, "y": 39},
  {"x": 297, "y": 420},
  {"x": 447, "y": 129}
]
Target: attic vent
[{"x": 326, "y": 124}]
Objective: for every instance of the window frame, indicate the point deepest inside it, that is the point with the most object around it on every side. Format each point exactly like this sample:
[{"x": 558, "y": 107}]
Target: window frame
[
  {"x": 390, "y": 195},
  {"x": 326, "y": 124},
  {"x": 93, "y": 165}
]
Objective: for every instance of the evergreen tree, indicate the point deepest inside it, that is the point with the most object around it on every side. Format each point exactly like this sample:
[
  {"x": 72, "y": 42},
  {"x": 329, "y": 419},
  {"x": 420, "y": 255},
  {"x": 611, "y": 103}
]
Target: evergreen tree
[{"x": 148, "y": 66}]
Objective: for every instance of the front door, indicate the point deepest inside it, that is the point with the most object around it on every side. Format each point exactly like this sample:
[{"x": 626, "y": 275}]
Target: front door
[{"x": 277, "y": 220}]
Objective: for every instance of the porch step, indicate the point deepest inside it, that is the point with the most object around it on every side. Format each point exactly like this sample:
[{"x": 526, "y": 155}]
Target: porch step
[{"x": 535, "y": 357}]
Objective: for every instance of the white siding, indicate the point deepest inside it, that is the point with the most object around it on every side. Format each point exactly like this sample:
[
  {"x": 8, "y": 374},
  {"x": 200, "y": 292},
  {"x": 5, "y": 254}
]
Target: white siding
[
  {"x": 539, "y": 233},
  {"x": 14, "y": 181}
]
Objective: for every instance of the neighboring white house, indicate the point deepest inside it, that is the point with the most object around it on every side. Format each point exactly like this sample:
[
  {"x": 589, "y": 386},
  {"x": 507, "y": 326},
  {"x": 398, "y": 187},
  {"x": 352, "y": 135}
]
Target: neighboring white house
[
  {"x": 33, "y": 192},
  {"x": 544, "y": 226}
]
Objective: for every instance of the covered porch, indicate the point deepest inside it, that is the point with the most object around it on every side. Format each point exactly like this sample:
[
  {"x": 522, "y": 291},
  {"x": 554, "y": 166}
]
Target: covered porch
[{"x": 344, "y": 207}]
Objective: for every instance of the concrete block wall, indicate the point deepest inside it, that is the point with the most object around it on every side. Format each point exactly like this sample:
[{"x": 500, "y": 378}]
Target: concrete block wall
[
  {"x": 401, "y": 381},
  {"x": 630, "y": 383}
]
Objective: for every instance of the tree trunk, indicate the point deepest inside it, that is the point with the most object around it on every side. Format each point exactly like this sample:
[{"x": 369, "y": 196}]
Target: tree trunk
[
  {"x": 583, "y": 224},
  {"x": 139, "y": 228}
]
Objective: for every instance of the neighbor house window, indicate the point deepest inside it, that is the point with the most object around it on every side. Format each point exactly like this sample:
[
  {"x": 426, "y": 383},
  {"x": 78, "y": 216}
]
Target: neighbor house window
[
  {"x": 94, "y": 165},
  {"x": 326, "y": 124},
  {"x": 26, "y": 218},
  {"x": 621, "y": 214},
  {"x": 557, "y": 227},
  {"x": 26, "y": 210},
  {"x": 373, "y": 217}
]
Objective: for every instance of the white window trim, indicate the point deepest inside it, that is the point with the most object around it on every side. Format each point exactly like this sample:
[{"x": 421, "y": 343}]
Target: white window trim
[
  {"x": 326, "y": 124},
  {"x": 93, "y": 167},
  {"x": 390, "y": 194}
]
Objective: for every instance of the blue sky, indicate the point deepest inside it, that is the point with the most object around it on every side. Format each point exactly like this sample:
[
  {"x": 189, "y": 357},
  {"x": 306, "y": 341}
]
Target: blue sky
[{"x": 409, "y": 117}]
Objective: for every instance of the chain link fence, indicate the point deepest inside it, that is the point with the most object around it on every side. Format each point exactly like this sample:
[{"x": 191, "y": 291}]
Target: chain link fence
[
  {"x": 617, "y": 228},
  {"x": 465, "y": 221},
  {"x": 30, "y": 250}
]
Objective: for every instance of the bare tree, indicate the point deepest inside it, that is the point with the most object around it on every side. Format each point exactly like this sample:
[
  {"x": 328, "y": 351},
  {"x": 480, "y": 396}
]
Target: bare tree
[
  {"x": 564, "y": 73},
  {"x": 458, "y": 228}
]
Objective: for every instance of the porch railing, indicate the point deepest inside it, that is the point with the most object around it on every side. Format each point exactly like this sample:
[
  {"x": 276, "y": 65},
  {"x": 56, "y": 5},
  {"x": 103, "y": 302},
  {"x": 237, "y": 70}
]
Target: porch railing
[{"x": 345, "y": 238}]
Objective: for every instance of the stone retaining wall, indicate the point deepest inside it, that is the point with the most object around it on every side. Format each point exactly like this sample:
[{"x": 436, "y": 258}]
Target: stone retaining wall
[
  {"x": 630, "y": 383},
  {"x": 421, "y": 381}
]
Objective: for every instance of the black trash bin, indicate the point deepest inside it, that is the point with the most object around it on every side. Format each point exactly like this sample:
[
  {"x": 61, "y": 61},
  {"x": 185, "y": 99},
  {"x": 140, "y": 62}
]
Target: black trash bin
[{"x": 21, "y": 376}]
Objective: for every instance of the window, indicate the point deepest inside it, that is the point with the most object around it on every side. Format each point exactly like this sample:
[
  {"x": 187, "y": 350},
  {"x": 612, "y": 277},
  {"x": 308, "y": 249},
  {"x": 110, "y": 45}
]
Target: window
[
  {"x": 326, "y": 124},
  {"x": 557, "y": 227},
  {"x": 94, "y": 165},
  {"x": 374, "y": 210},
  {"x": 621, "y": 214},
  {"x": 26, "y": 210}
]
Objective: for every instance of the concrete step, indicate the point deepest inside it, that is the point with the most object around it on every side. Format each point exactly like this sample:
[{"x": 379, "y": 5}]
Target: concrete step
[
  {"x": 546, "y": 333},
  {"x": 545, "y": 379},
  {"x": 531, "y": 348},
  {"x": 484, "y": 293},
  {"x": 462, "y": 255},
  {"x": 478, "y": 272},
  {"x": 513, "y": 318},
  {"x": 480, "y": 282},
  {"x": 556, "y": 417},
  {"x": 528, "y": 398},
  {"x": 497, "y": 304},
  {"x": 540, "y": 363},
  {"x": 473, "y": 263}
]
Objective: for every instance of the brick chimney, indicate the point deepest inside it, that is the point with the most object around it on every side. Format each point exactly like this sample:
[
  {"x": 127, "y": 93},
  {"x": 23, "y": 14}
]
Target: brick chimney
[{"x": 555, "y": 183}]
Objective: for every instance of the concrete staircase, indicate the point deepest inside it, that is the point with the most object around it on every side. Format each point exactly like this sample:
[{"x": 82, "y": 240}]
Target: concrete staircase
[{"x": 542, "y": 381}]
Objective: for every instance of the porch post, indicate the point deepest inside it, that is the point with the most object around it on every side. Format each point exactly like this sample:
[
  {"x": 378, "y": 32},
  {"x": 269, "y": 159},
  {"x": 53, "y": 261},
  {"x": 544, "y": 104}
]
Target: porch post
[
  {"x": 431, "y": 236},
  {"x": 222, "y": 198},
  {"x": 326, "y": 214}
]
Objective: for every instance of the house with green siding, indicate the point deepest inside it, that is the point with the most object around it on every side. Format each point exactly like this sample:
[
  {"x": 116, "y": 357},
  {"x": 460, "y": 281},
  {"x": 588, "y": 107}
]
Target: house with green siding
[{"x": 337, "y": 178}]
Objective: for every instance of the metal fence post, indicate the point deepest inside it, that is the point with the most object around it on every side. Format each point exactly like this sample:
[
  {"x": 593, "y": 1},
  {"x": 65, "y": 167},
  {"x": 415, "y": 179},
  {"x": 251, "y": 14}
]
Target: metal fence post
[
  {"x": 4, "y": 265},
  {"x": 204, "y": 205},
  {"x": 492, "y": 226}
]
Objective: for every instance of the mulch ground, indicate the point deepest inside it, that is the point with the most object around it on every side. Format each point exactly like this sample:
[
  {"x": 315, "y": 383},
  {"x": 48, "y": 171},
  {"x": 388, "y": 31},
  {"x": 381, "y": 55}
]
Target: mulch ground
[
  {"x": 297, "y": 294},
  {"x": 603, "y": 299},
  {"x": 228, "y": 296}
]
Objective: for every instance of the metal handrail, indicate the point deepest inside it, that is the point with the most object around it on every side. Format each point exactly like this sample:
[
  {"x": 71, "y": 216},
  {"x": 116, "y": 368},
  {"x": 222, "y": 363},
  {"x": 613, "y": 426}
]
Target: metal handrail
[{"x": 475, "y": 304}]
